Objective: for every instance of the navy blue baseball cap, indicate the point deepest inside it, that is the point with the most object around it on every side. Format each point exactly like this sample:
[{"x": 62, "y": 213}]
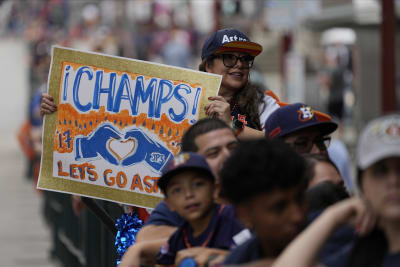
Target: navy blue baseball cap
[
  {"x": 294, "y": 117},
  {"x": 181, "y": 162},
  {"x": 226, "y": 40}
]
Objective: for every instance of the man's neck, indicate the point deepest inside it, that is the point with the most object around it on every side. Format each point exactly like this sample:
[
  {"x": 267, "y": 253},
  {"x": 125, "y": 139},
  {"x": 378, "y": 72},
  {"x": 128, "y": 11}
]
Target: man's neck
[
  {"x": 269, "y": 251},
  {"x": 200, "y": 225},
  {"x": 392, "y": 233}
]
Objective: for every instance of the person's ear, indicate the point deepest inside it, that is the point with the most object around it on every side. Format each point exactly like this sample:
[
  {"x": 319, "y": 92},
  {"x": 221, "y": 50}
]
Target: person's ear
[
  {"x": 208, "y": 64},
  {"x": 243, "y": 213},
  {"x": 169, "y": 204},
  {"x": 217, "y": 188}
]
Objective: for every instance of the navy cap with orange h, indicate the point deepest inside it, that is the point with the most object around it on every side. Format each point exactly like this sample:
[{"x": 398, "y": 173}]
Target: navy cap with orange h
[
  {"x": 226, "y": 40},
  {"x": 182, "y": 162},
  {"x": 294, "y": 117}
]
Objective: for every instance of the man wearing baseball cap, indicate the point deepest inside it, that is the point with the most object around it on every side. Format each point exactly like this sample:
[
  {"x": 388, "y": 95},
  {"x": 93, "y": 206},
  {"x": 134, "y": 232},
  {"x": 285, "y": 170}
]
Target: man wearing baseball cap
[{"x": 302, "y": 127}]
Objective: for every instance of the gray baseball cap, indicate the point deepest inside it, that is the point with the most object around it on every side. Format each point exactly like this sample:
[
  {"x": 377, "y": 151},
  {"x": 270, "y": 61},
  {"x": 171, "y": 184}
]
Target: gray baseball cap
[{"x": 380, "y": 139}]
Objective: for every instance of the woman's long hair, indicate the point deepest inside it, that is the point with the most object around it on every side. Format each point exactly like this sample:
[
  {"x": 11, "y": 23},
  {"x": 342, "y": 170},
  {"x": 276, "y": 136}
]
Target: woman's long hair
[
  {"x": 248, "y": 99},
  {"x": 370, "y": 250}
]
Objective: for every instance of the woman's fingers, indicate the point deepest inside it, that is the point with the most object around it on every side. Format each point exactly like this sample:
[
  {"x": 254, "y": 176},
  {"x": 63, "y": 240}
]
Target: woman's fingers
[
  {"x": 219, "y": 98},
  {"x": 366, "y": 220},
  {"x": 219, "y": 108},
  {"x": 45, "y": 108},
  {"x": 47, "y": 105}
]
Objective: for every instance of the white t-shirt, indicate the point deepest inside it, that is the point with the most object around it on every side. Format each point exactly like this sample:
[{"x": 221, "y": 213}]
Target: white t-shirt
[{"x": 271, "y": 106}]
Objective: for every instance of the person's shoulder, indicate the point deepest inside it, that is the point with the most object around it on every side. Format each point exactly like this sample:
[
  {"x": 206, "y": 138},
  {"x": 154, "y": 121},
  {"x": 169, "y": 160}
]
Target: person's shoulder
[
  {"x": 227, "y": 227},
  {"x": 226, "y": 213},
  {"x": 340, "y": 258},
  {"x": 175, "y": 243},
  {"x": 162, "y": 215},
  {"x": 246, "y": 252},
  {"x": 270, "y": 103},
  {"x": 226, "y": 210},
  {"x": 392, "y": 260},
  {"x": 270, "y": 94}
]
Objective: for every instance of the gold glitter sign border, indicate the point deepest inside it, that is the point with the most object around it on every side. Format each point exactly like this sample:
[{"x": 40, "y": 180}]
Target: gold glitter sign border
[{"x": 210, "y": 83}]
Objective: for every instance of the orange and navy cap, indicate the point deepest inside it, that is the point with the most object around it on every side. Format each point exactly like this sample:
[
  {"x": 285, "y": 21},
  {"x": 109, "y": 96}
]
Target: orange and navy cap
[
  {"x": 294, "y": 117},
  {"x": 229, "y": 40},
  {"x": 181, "y": 162}
]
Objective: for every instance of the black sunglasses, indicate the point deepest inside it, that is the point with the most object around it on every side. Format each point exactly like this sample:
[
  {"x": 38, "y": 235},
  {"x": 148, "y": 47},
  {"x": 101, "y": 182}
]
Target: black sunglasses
[
  {"x": 230, "y": 60},
  {"x": 304, "y": 145}
]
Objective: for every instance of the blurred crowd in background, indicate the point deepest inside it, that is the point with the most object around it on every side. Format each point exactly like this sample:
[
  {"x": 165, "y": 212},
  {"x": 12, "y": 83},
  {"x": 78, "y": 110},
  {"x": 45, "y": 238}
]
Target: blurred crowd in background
[{"x": 305, "y": 59}]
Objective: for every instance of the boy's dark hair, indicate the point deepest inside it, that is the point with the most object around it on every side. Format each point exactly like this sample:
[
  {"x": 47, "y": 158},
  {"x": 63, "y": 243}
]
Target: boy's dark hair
[
  {"x": 261, "y": 166},
  {"x": 324, "y": 195},
  {"x": 369, "y": 250},
  {"x": 203, "y": 126}
]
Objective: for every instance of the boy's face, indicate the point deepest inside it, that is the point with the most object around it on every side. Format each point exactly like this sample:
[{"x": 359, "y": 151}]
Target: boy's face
[
  {"x": 276, "y": 217},
  {"x": 190, "y": 194}
]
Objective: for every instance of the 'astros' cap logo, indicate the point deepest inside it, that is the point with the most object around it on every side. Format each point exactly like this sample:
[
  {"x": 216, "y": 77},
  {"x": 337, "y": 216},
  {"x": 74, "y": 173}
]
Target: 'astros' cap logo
[
  {"x": 235, "y": 38},
  {"x": 306, "y": 113},
  {"x": 393, "y": 130},
  {"x": 180, "y": 159}
]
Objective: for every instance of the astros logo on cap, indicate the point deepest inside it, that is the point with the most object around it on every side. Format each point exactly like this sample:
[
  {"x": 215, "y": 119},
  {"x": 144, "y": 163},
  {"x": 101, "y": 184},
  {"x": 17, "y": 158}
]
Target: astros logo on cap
[
  {"x": 306, "y": 113},
  {"x": 180, "y": 159},
  {"x": 227, "y": 39},
  {"x": 393, "y": 130}
]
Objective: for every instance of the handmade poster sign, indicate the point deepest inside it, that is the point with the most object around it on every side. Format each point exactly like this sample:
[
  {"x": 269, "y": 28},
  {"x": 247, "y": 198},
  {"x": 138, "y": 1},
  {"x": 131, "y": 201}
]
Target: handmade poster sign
[{"x": 118, "y": 122}]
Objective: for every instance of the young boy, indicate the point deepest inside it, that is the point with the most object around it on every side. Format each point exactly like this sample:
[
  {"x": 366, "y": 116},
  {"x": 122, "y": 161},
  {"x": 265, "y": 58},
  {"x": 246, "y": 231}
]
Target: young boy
[
  {"x": 265, "y": 182},
  {"x": 187, "y": 183}
]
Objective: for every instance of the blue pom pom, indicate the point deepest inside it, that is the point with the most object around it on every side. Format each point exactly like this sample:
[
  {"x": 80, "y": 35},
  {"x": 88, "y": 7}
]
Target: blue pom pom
[{"x": 128, "y": 226}]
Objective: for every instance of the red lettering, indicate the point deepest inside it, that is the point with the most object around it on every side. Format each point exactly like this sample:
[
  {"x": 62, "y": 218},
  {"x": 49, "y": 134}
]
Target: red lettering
[
  {"x": 110, "y": 181},
  {"x": 60, "y": 169},
  {"x": 124, "y": 179},
  {"x": 148, "y": 185},
  {"x": 92, "y": 174},
  {"x": 73, "y": 169},
  {"x": 136, "y": 182},
  {"x": 155, "y": 179}
]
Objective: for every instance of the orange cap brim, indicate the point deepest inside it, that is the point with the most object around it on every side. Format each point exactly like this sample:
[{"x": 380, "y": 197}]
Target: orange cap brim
[{"x": 250, "y": 48}]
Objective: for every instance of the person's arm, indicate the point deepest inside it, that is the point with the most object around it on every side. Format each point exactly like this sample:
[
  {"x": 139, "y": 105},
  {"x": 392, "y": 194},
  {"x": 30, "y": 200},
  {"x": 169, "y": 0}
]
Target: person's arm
[
  {"x": 149, "y": 240},
  {"x": 250, "y": 133},
  {"x": 303, "y": 251},
  {"x": 155, "y": 232},
  {"x": 203, "y": 256},
  {"x": 142, "y": 253},
  {"x": 220, "y": 109}
]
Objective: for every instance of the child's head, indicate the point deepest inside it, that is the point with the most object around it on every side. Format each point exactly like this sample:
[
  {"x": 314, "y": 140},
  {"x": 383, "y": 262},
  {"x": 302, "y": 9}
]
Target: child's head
[
  {"x": 321, "y": 168},
  {"x": 265, "y": 181},
  {"x": 187, "y": 183}
]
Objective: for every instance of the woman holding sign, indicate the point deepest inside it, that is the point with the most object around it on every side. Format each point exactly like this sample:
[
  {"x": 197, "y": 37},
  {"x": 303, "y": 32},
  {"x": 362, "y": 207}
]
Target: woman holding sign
[
  {"x": 239, "y": 103},
  {"x": 230, "y": 53}
]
